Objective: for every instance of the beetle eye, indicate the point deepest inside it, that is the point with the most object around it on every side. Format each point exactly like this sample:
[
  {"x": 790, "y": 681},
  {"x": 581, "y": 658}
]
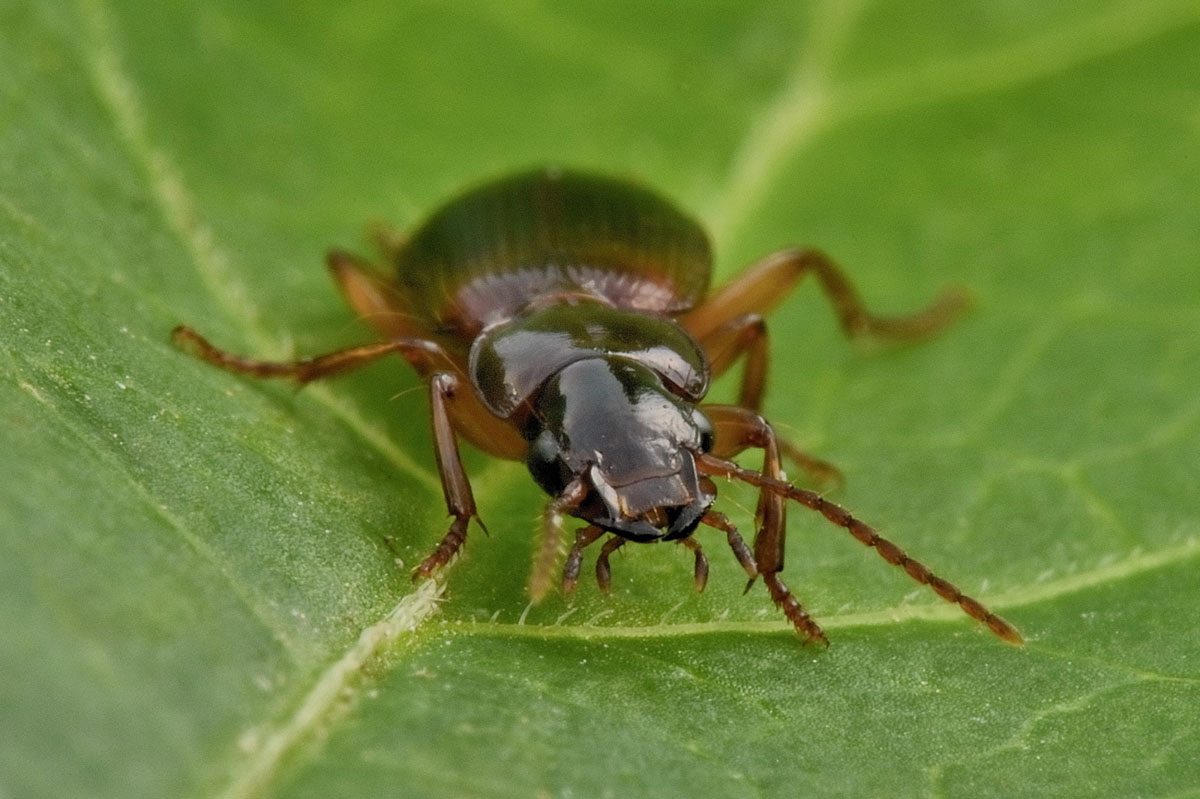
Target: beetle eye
[
  {"x": 705, "y": 429},
  {"x": 545, "y": 465}
]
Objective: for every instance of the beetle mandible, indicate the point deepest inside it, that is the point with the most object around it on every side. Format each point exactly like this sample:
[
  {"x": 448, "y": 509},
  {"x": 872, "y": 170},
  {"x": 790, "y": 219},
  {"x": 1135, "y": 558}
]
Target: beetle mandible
[{"x": 564, "y": 319}]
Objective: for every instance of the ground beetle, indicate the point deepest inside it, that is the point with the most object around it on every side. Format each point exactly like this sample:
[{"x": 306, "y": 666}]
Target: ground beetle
[{"x": 564, "y": 319}]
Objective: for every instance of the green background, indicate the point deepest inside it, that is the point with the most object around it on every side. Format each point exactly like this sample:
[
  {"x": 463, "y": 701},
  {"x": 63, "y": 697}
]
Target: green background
[{"x": 199, "y": 592}]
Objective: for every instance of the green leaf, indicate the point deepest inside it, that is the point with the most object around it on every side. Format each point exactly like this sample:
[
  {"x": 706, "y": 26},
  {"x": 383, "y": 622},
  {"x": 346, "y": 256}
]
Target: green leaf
[{"x": 204, "y": 579}]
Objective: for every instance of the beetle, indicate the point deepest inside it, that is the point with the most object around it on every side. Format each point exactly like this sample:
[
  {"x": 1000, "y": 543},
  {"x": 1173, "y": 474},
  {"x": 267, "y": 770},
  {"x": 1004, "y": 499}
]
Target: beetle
[{"x": 564, "y": 319}]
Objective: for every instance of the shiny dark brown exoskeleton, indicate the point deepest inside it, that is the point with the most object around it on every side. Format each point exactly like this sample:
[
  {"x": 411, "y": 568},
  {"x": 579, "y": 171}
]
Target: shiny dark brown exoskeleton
[{"x": 564, "y": 320}]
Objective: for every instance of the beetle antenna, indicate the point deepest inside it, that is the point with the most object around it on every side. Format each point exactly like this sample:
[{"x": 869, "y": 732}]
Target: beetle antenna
[{"x": 893, "y": 554}]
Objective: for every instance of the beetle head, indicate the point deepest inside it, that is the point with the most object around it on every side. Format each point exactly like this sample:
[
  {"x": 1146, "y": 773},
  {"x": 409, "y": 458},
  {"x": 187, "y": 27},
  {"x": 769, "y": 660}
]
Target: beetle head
[{"x": 611, "y": 422}]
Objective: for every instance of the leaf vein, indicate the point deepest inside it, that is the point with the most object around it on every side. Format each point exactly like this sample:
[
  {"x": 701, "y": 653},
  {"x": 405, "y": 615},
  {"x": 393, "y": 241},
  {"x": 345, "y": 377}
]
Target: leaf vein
[
  {"x": 1136, "y": 563},
  {"x": 119, "y": 95},
  {"x": 327, "y": 697}
]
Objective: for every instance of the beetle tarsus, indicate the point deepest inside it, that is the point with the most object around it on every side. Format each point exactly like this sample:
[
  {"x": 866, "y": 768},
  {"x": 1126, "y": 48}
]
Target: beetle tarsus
[
  {"x": 782, "y": 596},
  {"x": 446, "y": 550}
]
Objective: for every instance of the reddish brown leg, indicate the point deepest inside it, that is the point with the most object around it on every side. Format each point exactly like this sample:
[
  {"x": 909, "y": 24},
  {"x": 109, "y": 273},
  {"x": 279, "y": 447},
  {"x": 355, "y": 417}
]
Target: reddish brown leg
[
  {"x": 766, "y": 283},
  {"x": 808, "y": 629},
  {"x": 745, "y": 335},
  {"x": 710, "y": 465},
  {"x": 456, "y": 488},
  {"x": 372, "y": 297},
  {"x": 603, "y": 571},
  {"x": 701, "y": 569},
  {"x": 738, "y": 429},
  {"x": 378, "y": 303},
  {"x": 417, "y": 351},
  {"x": 730, "y": 324},
  {"x": 748, "y": 335},
  {"x": 720, "y": 521},
  {"x": 584, "y": 537},
  {"x": 422, "y": 354},
  {"x": 550, "y": 546}
]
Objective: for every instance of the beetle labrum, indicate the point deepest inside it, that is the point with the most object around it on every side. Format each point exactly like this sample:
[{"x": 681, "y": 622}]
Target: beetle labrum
[{"x": 564, "y": 320}]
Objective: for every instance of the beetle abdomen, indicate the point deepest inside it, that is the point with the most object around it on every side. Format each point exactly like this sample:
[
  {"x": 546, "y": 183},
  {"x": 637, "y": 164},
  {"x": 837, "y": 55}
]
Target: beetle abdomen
[{"x": 482, "y": 257}]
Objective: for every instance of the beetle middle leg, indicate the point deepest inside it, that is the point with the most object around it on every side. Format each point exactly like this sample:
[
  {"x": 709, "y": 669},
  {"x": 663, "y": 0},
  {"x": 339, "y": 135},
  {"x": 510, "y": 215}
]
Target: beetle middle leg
[
  {"x": 747, "y": 335},
  {"x": 305, "y": 370},
  {"x": 766, "y": 283}
]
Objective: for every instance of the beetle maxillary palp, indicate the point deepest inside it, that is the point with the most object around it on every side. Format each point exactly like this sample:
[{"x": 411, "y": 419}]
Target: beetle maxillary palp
[
  {"x": 583, "y": 538},
  {"x": 603, "y": 570}
]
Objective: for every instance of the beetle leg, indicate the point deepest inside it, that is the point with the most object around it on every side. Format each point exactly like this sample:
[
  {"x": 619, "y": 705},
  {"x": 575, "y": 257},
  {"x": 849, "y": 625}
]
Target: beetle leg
[
  {"x": 456, "y": 488},
  {"x": 748, "y": 335},
  {"x": 421, "y": 353},
  {"x": 603, "y": 571},
  {"x": 701, "y": 568},
  {"x": 765, "y": 284},
  {"x": 737, "y": 429},
  {"x": 372, "y": 297},
  {"x": 584, "y": 537},
  {"x": 780, "y": 594},
  {"x": 744, "y": 335}
]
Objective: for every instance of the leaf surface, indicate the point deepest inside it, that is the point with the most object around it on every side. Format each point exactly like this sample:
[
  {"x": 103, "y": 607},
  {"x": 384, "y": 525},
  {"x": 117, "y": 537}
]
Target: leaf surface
[{"x": 203, "y": 579}]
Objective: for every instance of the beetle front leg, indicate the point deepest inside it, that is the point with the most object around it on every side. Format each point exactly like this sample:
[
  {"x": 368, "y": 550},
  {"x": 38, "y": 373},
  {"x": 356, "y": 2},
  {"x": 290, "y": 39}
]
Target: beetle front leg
[
  {"x": 460, "y": 502},
  {"x": 737, "y": 429},
  {"x": 781, "y": 595}
]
